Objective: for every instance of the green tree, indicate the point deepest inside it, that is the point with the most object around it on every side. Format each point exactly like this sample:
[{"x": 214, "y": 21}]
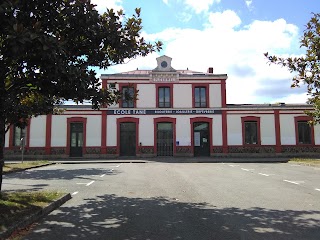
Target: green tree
[
  {"x": 48, "y": 49},
  {"x": 307, "y": 67}
]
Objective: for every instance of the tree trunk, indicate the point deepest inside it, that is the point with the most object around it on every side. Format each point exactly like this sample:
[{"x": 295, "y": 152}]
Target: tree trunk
[{"x": 2, "y": 142}]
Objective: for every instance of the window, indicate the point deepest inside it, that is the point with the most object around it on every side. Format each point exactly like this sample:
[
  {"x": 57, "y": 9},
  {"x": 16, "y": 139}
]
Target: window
[
  {"x": 127, "y": 97},
  {"x": 18, "y": 134},
  {"x": 164, "y": 97},
  {"x": 200, "y": 97},
  {"x": 304, "y": 132},
  {"x": 250, "y": 132}
]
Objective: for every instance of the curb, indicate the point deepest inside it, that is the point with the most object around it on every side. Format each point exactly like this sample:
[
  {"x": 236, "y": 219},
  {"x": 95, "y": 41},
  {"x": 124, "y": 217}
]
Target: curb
[{"x": 36, "y": 216}]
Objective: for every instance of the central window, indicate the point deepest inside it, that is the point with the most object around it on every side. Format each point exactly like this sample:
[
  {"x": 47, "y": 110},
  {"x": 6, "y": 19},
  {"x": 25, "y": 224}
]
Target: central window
[
  {"x": 250, "y": 133},
  {"x": 164, "y": 97},
  {"x": 127, "y": 97},
  {"x": 200, "y": 97}
]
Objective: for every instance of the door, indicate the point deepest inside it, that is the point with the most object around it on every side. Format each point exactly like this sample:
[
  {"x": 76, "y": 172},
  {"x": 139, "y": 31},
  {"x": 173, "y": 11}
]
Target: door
[
  {"x": 164, "y": 139},
  {"x": 128, "y": 139},
  {"x": 201, "y": 139},
  {"x": 76, "y": 139}
]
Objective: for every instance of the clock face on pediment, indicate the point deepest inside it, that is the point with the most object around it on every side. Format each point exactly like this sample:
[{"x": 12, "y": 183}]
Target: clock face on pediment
[{"x": 164, "y": 64}]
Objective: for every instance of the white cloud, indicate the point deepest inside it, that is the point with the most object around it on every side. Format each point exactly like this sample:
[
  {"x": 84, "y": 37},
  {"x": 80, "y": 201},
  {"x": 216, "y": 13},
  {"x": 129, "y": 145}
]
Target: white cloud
[
  {"x": 237, "y": 52},
  {"x": 165, "y": 1},
  {"x": 102, "y": 5},
  {"x": 248, "y": 3},
  {"x": 200, "y": 5}
]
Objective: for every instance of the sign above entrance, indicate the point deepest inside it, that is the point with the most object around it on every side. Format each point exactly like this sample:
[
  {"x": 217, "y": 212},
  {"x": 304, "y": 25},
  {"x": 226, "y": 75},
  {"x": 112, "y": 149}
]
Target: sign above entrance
[{"x": 162, "y": 112}]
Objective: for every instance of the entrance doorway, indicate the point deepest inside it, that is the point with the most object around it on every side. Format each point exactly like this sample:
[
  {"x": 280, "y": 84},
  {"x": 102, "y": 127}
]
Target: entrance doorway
[
  {"x": 127, "y": 139},
  {"x": 201, "y": 139},
  {"x": 76, "y": 139},
  {"x": 164, "y": 139}
]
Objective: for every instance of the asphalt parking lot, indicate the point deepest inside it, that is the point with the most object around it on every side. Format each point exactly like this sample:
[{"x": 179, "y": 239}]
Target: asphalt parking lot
[{"x": 178, "y": 200}]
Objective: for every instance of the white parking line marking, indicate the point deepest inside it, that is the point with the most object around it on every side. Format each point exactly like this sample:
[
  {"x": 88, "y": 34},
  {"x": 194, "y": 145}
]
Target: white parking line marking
[
  {"x": 317, "y": 189},
  {"x": 81, "y": 183},
  {"x": 245, "y": 169},
  {"x": 88, "y": 184},
  {"x": 233, "y": 165},
  {"x": 294, "y": 182},
  {"x": 74, "y": 193},
  {"x": 295, "y": 165},
  {"x": 119, "y": 165},
  {"x": 263, "y": 174},
  {"x": 102, "y": 175}
]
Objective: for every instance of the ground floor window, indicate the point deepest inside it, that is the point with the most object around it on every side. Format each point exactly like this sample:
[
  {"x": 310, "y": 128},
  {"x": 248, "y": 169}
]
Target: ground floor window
[
  {"x": 304, "y": 132},
  {"x": 251, "y": 130}
]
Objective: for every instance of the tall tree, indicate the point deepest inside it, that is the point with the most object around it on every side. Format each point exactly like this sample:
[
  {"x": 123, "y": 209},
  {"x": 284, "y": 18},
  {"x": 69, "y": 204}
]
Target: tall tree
[
  {"x": 48, "y": 49},
  {"x": 307, "y": 67}
]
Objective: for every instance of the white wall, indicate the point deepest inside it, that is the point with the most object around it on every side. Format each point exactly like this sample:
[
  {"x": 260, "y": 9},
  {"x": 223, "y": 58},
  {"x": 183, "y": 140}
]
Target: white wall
[
  {"x": 234, "y": 130},
  {"x": 93, "y": 130},
  {"x": 146, "y": 132},
  {"x": 7, "y": 139},
  {"x": 38, "y": 132},
  {"x": 182, "y": 96},
  {"x": 287, "y": 129},
  {"x": 183, "y": 130},
  {"x": 59, "y": 131},
  {"x": 217, "y": 130},
  {"x": 215, "y": 95},
  {"x": 268, "y": 131},
  {"x": 267, "y": 128},
  {"x": 317, "y": 134},
  {"x": 112, "y": 130},
  {"x": 146, "y": 96}
]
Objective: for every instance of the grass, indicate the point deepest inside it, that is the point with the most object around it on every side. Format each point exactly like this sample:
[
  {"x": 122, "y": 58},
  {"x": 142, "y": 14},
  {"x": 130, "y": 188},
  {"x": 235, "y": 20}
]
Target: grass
[
  {"x": 306, "y": 161},
  {"x": 12, "y": 167},
  {"x": 15, "y": 206}
]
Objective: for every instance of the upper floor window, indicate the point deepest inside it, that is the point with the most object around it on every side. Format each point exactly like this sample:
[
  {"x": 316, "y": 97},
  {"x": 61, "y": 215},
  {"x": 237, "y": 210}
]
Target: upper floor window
[
  {"x": 164, "y": 98},
  {"x": 127, "y": 97},
  {"x": 304, "y": 132},
  {"x": 200, "y": 97},
  {"x": 18, "y": 135}
]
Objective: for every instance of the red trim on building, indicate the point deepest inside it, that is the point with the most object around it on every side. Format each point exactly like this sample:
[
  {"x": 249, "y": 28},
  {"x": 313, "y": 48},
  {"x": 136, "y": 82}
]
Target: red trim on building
[
  {"x": 103, "y": 132},
  {"x": 84, "y": 122},
  {"x": 127, "y": 119},
  {"x": 277, "y": 130},
  {"x": 223, "y": 94},
  {"x": 224, "y": 131},
  {"x": 201, "y": 119},
  {"x": 169, "y": 85},
  {"x": 206, "y": 85},
  {"x": 303, "y": 118},
  {"x": 251, "y": 118},
  {"x": 134, "y": 85},
  {"x": 164, "y": 120},
  {"x": 48, "y": 133}
]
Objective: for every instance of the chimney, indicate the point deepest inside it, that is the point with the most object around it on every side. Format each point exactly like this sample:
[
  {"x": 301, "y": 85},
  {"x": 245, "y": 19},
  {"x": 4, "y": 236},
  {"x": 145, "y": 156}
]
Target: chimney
[{"x": 210, "y": 70}]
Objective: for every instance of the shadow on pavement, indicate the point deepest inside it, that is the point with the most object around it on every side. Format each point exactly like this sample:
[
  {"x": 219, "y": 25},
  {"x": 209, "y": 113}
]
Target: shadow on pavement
[{"x": 115, "y": 217}]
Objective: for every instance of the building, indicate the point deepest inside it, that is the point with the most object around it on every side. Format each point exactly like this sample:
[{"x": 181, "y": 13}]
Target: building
[{"x": 177, "y": 113}]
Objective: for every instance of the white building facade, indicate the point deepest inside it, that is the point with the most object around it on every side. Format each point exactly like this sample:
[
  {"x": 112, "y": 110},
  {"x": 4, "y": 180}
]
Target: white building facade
[{"x": 176, "y": 113}]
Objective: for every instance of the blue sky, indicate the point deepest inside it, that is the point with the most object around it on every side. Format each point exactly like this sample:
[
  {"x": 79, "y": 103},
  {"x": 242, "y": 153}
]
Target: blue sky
[{"x": 228, "y": 35}]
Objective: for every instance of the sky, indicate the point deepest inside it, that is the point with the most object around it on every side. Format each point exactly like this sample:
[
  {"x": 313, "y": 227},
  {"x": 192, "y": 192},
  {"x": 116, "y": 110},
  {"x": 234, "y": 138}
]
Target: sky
[{"x": 229, "y": 35}]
